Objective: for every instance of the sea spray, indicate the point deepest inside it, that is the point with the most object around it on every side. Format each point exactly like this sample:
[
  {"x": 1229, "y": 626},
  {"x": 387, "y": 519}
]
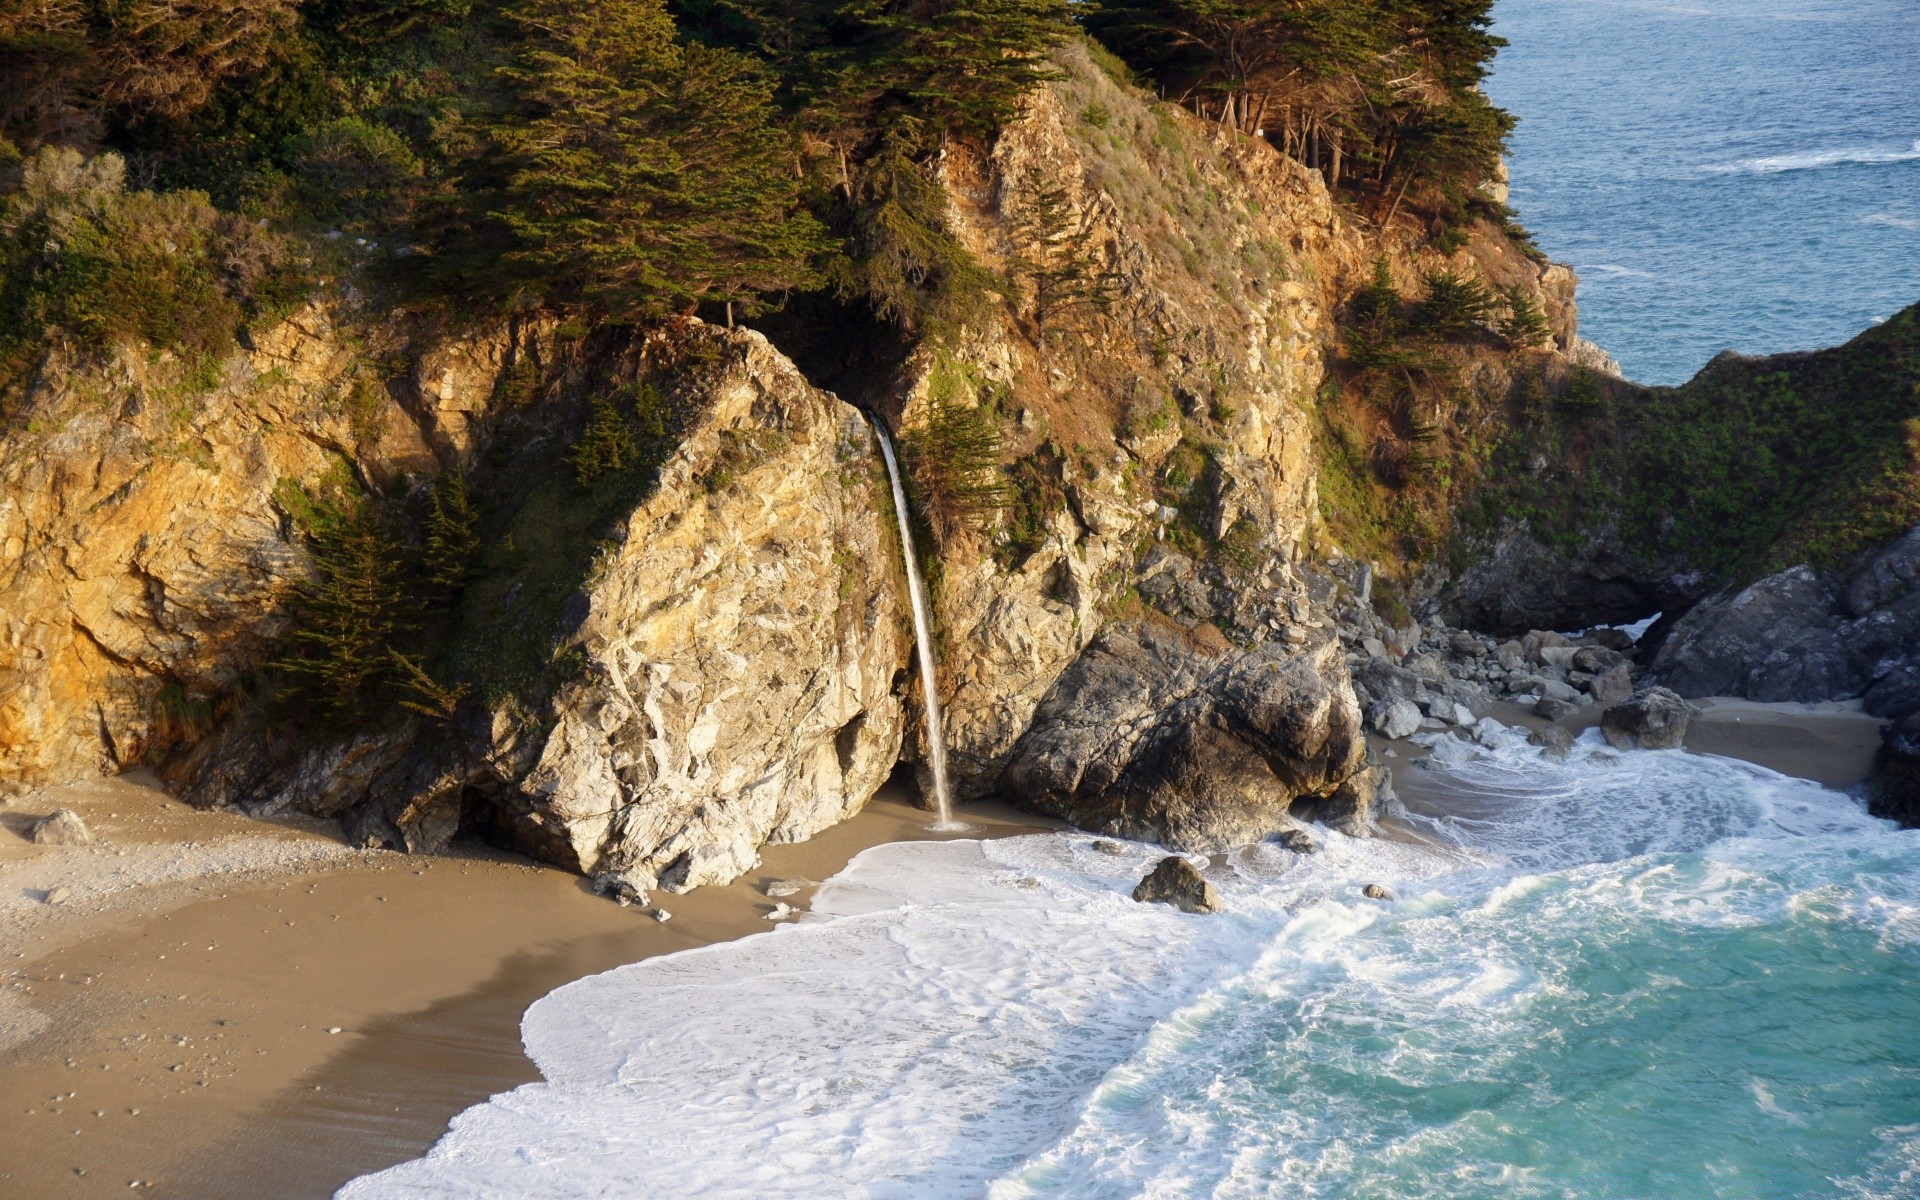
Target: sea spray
[
  {"x": 1624, "y": 975},
  {"x": 922, "y": 640}
]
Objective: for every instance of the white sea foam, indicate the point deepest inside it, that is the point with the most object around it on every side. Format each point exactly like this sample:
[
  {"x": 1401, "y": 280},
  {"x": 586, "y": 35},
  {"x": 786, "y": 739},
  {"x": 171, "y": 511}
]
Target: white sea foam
[
  {"x": 1815, "y": 160},
  {"x": 998, "y": 1018}
]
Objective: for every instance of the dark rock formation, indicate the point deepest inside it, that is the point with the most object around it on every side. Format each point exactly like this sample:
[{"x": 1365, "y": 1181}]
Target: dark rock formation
[
  {"x": 1893, "y": 790},
  {"x": 1516, "y": 582},
  {"x": 1156, "y": 735},
  {"x": 1776, "y": 640},
  {"x": 1656, "y": 719},
  {"x": 1175, "y": 882},
  {"x": 1377, "y": 891},
  {"x": 1806, "y": 635}
]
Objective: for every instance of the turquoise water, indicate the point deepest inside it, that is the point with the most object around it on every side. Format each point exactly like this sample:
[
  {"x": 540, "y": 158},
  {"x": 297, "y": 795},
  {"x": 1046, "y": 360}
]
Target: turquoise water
[
  {"x": 1642, "y": 975},
  {"x": 1723, "y": 174},
  {"x": 1729, "y": 1024}
]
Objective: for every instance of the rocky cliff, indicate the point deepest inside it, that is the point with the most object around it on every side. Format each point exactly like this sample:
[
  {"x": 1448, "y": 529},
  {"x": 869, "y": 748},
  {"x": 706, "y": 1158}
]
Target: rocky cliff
[
  {"x": 145, "y": 562},
  {"x": 648, "y": 678}
]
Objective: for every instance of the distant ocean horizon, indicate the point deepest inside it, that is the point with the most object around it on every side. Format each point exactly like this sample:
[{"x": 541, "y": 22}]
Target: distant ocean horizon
[{"x": 1722, "y": 174}]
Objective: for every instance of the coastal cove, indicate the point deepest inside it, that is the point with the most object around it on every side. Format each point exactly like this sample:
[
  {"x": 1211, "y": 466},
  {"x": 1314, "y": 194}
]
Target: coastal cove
[
  {"x": 915, "y": 600},
  {"x": 430, "y": 1006}
]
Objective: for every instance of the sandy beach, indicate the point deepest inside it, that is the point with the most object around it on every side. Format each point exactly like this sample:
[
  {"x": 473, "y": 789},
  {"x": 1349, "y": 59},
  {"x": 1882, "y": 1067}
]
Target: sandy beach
[
  {"x": 225, "y": 1008},
  {"x": 220, "y": 1008}
]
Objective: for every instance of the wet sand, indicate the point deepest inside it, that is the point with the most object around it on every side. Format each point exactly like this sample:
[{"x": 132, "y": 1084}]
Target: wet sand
[
  {"x": 244, "y": 1028},
  {"x": 226, "y": 1009},
  {"x": 1831, "y": 743}
]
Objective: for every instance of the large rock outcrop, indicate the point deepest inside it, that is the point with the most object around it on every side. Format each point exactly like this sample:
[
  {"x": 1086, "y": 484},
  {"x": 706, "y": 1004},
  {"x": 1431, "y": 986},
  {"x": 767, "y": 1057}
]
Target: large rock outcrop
[
  {"x": 1808, "y": 635},
  {"x": 741, "y": 645},
  {"x": 736, "y": 652},
  {"x": 143, "y": 560},
  {"x": 1159, "y": 735}
]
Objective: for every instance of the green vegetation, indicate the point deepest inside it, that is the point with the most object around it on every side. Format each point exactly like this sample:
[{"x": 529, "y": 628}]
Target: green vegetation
[
  {"x": 1382, "y": 96},
  {"x": 352, "y": 617},
  {"x": 452, "y": 532},
  {"x": 953, "y": 463},
  {"x": 645, "y": 176},
  {"x": 87, "y": 263},
  {"x": 1454, "y": 307},
  {"x": 1753, "y": 466}
]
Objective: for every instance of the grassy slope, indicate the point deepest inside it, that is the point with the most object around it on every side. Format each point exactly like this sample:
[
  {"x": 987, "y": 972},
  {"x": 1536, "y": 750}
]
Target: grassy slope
[{"x": 1754, "y": 465}]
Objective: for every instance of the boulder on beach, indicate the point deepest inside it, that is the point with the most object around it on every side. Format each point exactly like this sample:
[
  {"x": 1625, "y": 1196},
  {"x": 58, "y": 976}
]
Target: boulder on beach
[
  {"x": 1656, "y": 719},
  {"x": 1552, "y": 739},
  {"x": 1395, "y": 718},
  {"x": 1175, "y": 882},
  {"x": 61, "y": 828}
]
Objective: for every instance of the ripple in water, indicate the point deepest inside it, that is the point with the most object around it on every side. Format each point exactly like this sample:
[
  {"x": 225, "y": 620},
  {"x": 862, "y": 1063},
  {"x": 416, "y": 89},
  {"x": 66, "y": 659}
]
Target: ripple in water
[
  {"x": 1619, "y": 976},
  {"x": 1725, "y": 174}
]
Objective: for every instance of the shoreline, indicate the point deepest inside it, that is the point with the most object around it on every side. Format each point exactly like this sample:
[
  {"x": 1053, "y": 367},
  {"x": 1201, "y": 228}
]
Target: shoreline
[
  {"x": 163, "y": 984},
  {"x": 270, "y": 1013}
]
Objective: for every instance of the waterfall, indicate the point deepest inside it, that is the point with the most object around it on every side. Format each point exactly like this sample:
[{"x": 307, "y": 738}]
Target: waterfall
[{"x": 922, "y": 637}]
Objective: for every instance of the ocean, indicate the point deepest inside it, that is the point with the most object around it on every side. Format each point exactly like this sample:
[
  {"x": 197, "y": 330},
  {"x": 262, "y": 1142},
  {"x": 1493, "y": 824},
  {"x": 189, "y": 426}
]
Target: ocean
[
  {"x": 1723, "y": 174},
  {"x": 1635, "y": 975},
  {"x": 1651, "y": 974}
]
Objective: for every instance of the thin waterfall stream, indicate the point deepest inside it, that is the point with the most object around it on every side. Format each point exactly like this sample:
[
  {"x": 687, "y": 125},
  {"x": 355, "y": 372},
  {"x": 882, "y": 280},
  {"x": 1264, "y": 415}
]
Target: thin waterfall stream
[{"x": 923, "y": 641}]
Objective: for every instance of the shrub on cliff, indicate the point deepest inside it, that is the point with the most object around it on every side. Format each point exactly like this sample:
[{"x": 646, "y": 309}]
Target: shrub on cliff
[{"x": 85, "y": 260}]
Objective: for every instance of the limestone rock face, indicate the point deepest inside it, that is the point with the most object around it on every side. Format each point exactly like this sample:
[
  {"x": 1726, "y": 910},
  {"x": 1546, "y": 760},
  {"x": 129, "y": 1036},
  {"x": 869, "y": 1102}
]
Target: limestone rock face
[
  {"x": 1153, "y": 736},
  {"x": 1656, "y": 719},
  {"x": 143, "y": 561},
  {"x": 1174, "y": 881},
  {"x": 741, "y": 646}
]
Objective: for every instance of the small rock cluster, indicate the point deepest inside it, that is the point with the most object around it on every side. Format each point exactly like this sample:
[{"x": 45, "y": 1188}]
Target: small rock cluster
[{"x": 1434, "y": 677}]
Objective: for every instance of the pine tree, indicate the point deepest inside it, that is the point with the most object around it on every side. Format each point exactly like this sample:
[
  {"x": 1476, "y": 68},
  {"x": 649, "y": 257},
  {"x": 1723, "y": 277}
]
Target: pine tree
[
  {"x": 647, "y": 176},
  {"x": 1454, "y": 306},
  {"x": 953, "y": 461},
  {"x": 353, "y": 613},
  {"x": 1525, "y": 324},
  {"x": 1057, "y": 254},
  {"x": 605, "y": 446},
  {"x": 453, "y": 532}
]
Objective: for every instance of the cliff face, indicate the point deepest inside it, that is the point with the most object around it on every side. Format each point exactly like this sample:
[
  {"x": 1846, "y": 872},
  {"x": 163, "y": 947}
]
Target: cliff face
[
  {"x": 144, "y": 562},
  {"x": 1765, "y": 507},
  {"x": 723, "y": 675},
  {"x": 648, "y": 684}
]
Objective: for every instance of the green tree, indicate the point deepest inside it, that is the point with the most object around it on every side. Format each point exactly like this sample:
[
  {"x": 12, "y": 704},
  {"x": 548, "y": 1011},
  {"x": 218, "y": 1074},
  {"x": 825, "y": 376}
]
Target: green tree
[
  {"x": 607, "y": 444},
  {"x": 647, "y": 176},
  {"x": 953, "y": 462},
  {"x": 453, "y": 532},
  {"x": 353, "y": 613},
  {"x": 1454, "y": 306},
  {"x": 1525, "y": 325}
]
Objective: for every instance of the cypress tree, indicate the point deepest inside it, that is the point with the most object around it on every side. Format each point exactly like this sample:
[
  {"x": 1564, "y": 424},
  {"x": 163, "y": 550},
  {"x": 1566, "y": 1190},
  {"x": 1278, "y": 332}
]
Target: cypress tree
[
  {"x": 605, "y": 446},
  {"x": 350, "y": 616},
  {"x": 453, "y": 532},
  {"x": 647, "y": 176},
  {"x": 1525, "y": 324}
]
